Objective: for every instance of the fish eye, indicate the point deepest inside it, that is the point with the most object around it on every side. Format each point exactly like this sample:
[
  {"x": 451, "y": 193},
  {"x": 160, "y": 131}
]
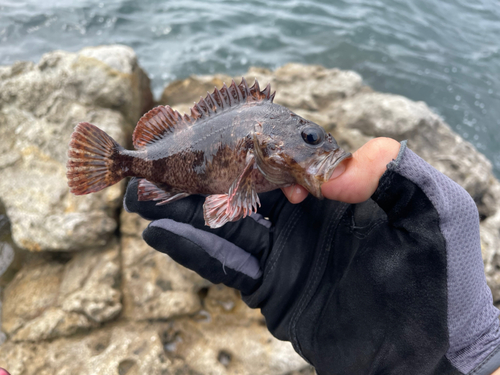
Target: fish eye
[{"x": 312, "y": 136}]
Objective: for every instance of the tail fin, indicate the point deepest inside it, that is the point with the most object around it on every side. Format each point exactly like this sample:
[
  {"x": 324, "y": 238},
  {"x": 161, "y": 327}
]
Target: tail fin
[{"x": 91, "y": 160}]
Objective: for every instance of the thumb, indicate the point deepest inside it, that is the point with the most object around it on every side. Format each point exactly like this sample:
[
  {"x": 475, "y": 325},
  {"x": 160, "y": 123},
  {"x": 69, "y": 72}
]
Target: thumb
[
  {"x": 362, "y": 172},
  {"x": 357, "y": 178}
]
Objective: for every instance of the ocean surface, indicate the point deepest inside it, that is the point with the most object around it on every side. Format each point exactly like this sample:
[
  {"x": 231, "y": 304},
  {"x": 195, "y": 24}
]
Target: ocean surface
[{"x": 444, "y": 52}]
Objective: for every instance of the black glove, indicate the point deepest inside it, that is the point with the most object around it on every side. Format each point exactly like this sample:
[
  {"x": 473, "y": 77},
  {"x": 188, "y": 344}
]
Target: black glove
[{"x": 353, "y": 287}]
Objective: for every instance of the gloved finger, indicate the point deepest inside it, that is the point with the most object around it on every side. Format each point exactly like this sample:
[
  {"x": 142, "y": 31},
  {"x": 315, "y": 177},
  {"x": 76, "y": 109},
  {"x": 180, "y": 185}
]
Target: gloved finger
[
  {"x": 251, "y": 234},
  {"x": 209, "y": 255}
]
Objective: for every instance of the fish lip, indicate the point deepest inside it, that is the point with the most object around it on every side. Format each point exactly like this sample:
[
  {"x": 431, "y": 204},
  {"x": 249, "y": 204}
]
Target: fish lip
[
  {"x": 340, "y": 159},
  {"x": 323, "y": 171}
]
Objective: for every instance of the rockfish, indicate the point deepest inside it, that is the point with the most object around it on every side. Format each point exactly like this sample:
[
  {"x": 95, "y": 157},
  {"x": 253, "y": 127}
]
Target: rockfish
[{"x": 235, "y": 143}]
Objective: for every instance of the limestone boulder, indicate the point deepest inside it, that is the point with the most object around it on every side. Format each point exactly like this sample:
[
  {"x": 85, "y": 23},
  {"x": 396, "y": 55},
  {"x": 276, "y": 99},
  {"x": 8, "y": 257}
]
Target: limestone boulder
[
  {"x": 155, "y": 348},
  {"x": 115, "y": 349},
  {"x": 39, "y": 107},
  {"x": 187, "y": 91},
  {"x": 53, "y": 297}
]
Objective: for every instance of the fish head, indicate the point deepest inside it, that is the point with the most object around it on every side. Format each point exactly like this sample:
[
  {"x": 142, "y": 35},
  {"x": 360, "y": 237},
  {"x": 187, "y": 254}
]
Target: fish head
[{"x": 296, "y": 150}]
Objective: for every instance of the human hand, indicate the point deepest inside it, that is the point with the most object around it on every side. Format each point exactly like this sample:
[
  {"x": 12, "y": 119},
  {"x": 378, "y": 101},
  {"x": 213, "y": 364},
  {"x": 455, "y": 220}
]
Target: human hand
[{"x": 355, "y": 179}]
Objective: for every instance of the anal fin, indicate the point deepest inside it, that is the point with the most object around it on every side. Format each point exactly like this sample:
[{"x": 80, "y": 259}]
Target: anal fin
[
  {"x": 147, "y": 191},
  {"x": 241, "y": 200}
]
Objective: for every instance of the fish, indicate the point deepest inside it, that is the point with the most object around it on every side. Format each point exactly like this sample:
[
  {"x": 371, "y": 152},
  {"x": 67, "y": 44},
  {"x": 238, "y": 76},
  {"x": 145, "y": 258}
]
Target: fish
[{"x": 234, "y": 144}]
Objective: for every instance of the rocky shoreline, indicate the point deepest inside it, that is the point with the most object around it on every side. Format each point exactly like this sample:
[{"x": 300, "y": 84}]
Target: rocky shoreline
[{"x": 83, "y": 294}]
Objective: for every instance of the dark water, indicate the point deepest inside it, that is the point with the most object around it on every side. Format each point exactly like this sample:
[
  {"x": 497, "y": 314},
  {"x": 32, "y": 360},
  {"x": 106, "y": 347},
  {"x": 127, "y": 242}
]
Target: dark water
[{"x": 444, "y": 52}]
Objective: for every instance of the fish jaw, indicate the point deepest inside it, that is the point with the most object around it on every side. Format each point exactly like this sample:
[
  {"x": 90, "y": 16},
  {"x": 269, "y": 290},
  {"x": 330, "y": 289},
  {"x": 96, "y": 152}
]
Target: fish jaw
[{"x": 320, "y": 170}]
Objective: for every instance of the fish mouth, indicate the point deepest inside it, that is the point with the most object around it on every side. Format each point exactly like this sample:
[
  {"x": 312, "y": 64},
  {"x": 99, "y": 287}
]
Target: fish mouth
[{"x": 321, "y": 169}]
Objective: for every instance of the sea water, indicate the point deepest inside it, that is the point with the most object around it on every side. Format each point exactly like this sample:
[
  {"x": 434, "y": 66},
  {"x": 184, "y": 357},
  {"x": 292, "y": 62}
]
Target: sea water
[{"x": 444, "y": 52}]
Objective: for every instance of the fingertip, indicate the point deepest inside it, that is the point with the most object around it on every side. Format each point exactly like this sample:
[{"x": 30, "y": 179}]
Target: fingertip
[{"x": 295, "y": 193}]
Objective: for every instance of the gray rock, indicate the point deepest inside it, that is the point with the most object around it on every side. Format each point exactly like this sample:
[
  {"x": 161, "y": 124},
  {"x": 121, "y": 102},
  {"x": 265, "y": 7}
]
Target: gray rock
[
  {"x": 39, "y": 107},
  {"x": 11, "y": 258},
  {"x": 33, "y": 290},
  {"x": 116, "y": 349},
  {"x": 181, "y": 347},
  {"x": 90, "y": 284},
  {"x": 49, "y": 299},
  {"x": 52, "y": 323},
  {"x": 313, "y": 87},
  {"x": 189, "y": 90}
]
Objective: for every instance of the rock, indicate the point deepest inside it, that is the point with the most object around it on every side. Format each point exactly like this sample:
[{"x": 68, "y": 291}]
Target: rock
[
  {"x": 53, "y": 322},
  {"x": 116, "y": 349},
  {"x": 33, "y": 290},
  {"x": 188, "y": 91},
  {"x": 154, "y": 286},
  {"x": 180, "y": 347},
  {"x": 11, "y": 258},
  {"x": 39, "y": 107},
  {"x": 157, "y": 288},
  {"x": 215, "y": 348},
  {"x": 91, "y": 284},
  {"x": 49, "y": 299},
  {"x": 314, "y": 87}
]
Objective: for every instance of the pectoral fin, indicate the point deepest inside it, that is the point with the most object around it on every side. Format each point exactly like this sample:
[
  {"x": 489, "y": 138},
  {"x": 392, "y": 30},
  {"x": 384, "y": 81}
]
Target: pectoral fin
[
  {"x": 240, "y": 201},
  {"x": 147, "y": 191}
]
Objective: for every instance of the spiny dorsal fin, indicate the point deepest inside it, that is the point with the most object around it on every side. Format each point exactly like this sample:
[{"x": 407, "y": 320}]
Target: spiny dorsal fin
[
  {"x": 156, "y": 124},
  {"x": 163, "y": 120}
]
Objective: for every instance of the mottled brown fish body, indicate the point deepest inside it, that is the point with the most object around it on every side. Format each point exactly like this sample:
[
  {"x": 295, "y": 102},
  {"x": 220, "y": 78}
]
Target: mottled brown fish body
[
  {"x": 215, "y": 149},
  {"x": 235, "y": 143}
]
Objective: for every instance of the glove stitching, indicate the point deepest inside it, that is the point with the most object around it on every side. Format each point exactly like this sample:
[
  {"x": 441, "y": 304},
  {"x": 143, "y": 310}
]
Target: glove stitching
[
  {"x": 482, "y": 364},
  {"x": 317, "y": 273},
  {"x": 293, "y": 220}
]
